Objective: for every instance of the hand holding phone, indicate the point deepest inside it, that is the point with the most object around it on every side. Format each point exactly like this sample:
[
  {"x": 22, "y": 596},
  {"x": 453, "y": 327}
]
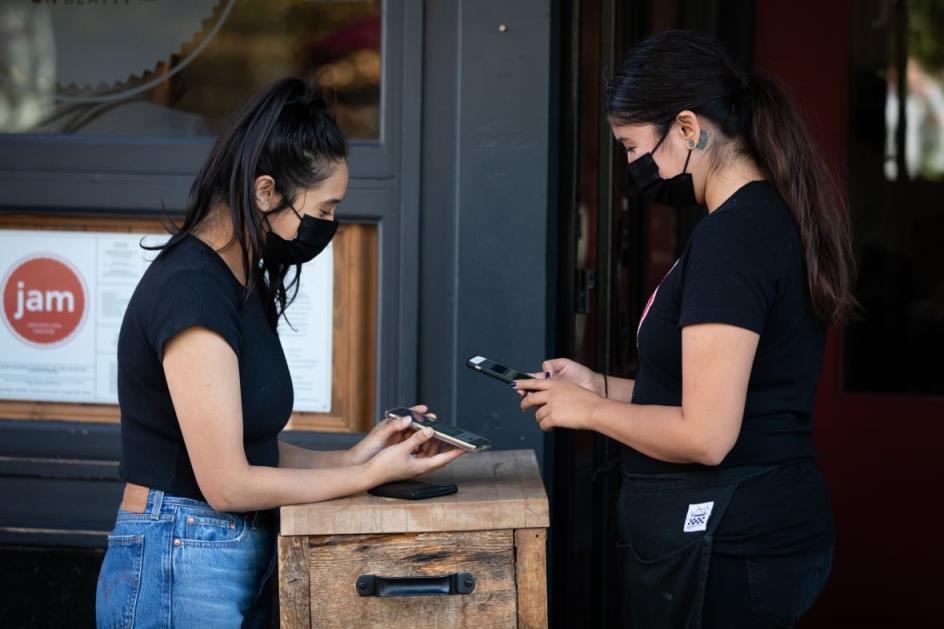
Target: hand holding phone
[
  {"x": 447, "y": 433},
  {"x": 405, "y": 460}
]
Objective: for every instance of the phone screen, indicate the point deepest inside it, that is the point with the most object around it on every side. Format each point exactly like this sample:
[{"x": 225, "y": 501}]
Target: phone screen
[
  {"x": 446, "y": 432},
  {"x": 497, "y": 370},
  {"x": 449, "y": 429}
]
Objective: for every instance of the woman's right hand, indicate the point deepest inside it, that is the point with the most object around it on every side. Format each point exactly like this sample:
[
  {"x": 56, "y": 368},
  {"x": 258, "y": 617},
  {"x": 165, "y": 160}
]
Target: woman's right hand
[
  {"x": 571, "y": 371},
  {"x": 400, "y": 461}
]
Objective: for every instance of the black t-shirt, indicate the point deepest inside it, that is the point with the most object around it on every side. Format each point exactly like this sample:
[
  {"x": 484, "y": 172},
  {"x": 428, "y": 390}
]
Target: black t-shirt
[
  {"x": 744, "y": 266},
  {"x": 186, "y": 286}
]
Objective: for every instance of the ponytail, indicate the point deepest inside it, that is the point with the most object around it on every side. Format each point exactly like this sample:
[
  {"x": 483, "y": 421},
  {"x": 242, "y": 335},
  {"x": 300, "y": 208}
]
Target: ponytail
[
  {"x": 778, "y": 141},
  {"x": 285, "y": 131}
]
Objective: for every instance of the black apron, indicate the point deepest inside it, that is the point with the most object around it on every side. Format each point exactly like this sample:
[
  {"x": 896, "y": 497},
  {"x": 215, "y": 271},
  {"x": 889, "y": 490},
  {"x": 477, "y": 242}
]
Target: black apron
[{"x": 665, "y": 527}]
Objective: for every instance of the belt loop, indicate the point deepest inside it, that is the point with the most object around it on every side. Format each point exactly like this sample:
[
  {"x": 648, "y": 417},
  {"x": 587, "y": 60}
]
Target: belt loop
[{"x": 158, "y": 498}]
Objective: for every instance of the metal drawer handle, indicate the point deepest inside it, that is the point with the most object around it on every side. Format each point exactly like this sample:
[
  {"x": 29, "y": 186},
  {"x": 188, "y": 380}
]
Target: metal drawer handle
[{"x": 455, "y": 583}]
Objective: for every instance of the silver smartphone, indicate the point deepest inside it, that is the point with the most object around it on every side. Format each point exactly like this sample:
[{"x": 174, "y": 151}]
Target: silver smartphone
[{"x": 444, "y": 432}]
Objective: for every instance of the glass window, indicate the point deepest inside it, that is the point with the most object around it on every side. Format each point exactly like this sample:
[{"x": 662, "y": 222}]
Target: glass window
[
  {"x": 177, "y": 67},
  {"x": 896, "y": 193}
]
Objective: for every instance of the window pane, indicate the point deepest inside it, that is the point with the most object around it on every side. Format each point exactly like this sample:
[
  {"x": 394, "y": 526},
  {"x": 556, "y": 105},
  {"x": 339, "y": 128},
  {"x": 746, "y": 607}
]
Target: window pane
[
  {"x": 177, "y": 67},
  {"x": 896, "y": 192}
]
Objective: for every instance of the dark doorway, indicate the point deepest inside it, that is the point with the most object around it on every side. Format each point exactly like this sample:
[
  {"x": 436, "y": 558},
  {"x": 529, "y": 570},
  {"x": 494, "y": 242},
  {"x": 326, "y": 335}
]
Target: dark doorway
[{"x": 614, "y": 250}]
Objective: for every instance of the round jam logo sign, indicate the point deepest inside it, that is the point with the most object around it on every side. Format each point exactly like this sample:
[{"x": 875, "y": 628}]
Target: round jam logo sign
[{"x": 43, "y": 301}]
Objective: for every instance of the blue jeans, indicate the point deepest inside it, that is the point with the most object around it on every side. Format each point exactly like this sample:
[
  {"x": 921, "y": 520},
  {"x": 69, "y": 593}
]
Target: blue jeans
[{"x": 182, "y": 564}]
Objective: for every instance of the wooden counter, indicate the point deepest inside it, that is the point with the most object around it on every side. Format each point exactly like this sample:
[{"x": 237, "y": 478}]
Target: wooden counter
[{"x": 493, "y": 528}]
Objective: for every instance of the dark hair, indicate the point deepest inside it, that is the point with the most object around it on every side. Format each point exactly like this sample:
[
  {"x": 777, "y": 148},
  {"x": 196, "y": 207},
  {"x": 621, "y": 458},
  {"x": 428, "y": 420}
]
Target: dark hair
[
  {"x": 678, "y": 70},
  {"x": 285, "y": 131}
]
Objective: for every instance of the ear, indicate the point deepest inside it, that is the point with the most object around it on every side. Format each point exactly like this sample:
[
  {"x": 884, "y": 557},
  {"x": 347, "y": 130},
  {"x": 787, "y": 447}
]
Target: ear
[
  {"x": 266, "y": 195},
  {"x": 691, "y": 129}
]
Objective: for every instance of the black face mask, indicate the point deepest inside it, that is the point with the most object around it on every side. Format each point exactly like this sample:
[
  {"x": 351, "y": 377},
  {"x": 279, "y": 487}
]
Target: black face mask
[
  {"x": 314, "y": 234},
  {"x": 677, "y": 191}
]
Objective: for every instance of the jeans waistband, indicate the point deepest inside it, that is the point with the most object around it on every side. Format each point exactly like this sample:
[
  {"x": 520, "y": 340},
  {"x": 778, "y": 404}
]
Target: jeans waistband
[{"x": 158, "y": 501}]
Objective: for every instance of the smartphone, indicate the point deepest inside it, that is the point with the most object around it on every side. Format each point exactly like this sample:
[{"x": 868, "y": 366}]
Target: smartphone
[
  {"x": 412, "y": 490},
  {"x": 496, "y": 370},
  {"x": 443, "y": 431}
]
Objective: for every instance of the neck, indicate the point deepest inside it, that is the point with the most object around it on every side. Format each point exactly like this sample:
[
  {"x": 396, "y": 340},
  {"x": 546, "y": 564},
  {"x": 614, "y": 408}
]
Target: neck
[
  {"x": 216, "y": 230},
  {"x": 727, "y": 180}
]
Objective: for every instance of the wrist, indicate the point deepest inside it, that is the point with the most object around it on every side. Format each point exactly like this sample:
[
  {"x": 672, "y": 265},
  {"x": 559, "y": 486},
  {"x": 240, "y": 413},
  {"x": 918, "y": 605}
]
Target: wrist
[
  {"x": 598, "y": 385},
  {"x": 595, "y": 414},
  {"x": 367, "y": 475}
]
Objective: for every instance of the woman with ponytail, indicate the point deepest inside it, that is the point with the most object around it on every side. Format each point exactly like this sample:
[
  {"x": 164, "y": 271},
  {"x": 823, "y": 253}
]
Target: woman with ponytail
[
  {"x": 204, "y": 388},
  {"x": 723, "y": 517}
]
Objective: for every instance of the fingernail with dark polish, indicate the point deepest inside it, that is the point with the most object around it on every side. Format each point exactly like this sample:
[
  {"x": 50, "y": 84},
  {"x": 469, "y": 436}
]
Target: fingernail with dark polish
[
  {"x": 514, "y": 385},
  {"x": 547, "y": 374}
]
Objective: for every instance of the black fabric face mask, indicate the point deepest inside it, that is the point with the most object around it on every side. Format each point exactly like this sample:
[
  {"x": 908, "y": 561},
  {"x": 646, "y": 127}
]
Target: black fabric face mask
[
  {"x": 677, "y": 191},
  {"x": 314, "y": 234}
]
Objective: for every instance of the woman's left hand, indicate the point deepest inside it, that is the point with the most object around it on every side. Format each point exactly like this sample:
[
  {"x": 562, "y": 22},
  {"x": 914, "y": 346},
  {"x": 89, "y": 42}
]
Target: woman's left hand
[
  {"x": 559, "y": 404},
  {"x": 387, "y": 433}
]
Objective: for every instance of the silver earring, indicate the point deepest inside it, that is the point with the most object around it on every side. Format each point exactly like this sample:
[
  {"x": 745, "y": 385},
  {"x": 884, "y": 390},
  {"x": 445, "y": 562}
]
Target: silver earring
[{"x": 691, "y": 144}]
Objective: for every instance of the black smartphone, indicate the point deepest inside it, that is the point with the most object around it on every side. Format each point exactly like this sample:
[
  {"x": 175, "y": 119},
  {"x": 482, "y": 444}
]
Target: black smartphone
[
  {"x": 412, "y": 490},
  {"x": 496, "y": 370},
  {"x": 441, "y": 430}
]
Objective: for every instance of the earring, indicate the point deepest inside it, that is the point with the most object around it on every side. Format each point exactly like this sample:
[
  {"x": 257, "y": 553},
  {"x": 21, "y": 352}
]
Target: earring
[{"x": 691, "y": 144}]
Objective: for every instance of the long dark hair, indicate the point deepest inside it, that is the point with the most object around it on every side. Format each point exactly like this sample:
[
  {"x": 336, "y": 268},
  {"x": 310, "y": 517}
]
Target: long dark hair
[
  {"x": 285, "y": 131},
  {"x": 678, "y": 70}
]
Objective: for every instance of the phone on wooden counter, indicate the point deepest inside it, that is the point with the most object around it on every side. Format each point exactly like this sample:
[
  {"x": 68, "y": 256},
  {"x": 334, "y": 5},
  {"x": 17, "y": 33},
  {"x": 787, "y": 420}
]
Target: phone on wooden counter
[
  {"x": 453, "y": 435},
  {"x": 412, "y": 490}
]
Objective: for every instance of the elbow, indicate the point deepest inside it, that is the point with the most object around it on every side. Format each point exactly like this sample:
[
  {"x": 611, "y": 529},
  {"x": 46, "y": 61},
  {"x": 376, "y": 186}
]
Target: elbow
[
  {"x": 710, "y": 458},
  {"x": 220, "y": 499},
  {"x": 225, "y": 495},
  {"x": 711, "y": 452}
]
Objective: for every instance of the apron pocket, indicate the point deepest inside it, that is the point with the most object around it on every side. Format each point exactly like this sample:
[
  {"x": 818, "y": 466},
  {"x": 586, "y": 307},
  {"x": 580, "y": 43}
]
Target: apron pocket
[{"x": 665, "y": 591}]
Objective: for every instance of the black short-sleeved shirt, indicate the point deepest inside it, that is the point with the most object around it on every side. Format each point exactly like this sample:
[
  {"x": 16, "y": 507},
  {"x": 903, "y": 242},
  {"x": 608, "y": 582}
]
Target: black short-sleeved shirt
[
  {"x": 744, "y": 266},
  {"x": 188, "y": 286}
]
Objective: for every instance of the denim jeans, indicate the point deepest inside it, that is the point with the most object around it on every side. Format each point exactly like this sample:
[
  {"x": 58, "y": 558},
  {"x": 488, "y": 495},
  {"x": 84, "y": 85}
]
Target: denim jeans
[{"x": 183, "y": 564}]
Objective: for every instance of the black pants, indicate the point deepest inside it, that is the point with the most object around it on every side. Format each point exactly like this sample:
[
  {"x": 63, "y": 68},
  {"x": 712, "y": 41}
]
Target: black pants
[{"x": 762, "y": 592}]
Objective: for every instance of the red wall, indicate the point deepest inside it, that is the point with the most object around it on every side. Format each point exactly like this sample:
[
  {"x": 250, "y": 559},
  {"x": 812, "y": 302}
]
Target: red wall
[{"x": 879, "y": 452}]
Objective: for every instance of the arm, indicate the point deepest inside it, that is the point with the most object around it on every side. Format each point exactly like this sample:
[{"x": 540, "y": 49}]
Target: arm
[
  {"x": 294, "y": 457},
  {"x": 203, "y": 378},
  {"x": 716, "y": 367},
  {"x": 618, "y": 389}
]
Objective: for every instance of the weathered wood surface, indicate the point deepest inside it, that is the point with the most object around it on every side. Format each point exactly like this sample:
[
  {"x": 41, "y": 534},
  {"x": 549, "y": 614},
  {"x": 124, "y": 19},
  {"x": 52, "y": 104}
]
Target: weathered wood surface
[
  {"x": 531, "y": 578},
  {"x": 497, "y": 490},
  {"x": 335, "y": 562},
  {"x": 294, "y": 589}
]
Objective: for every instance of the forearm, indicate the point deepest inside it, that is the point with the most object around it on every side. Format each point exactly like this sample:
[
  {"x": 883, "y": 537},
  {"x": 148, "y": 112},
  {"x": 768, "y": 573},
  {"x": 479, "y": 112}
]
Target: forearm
[
  {"x": 294, "y": 457},
  {"x": 259, "y": 487},
  {"x": 620, "y": 389},
  {"x": 660, "y": 432}
]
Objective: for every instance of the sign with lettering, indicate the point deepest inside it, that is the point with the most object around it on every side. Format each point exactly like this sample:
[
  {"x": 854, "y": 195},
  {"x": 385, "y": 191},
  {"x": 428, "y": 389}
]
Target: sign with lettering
[
  {"x": 43, "y": 301},
  {"x": 64, "y": 295}
]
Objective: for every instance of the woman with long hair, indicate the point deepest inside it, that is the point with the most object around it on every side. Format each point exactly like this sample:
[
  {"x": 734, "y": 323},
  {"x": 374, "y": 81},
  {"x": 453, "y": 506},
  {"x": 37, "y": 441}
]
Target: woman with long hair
[
  {"x": 723, "y": 516},
  {"x": 204, "y": 388}
]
